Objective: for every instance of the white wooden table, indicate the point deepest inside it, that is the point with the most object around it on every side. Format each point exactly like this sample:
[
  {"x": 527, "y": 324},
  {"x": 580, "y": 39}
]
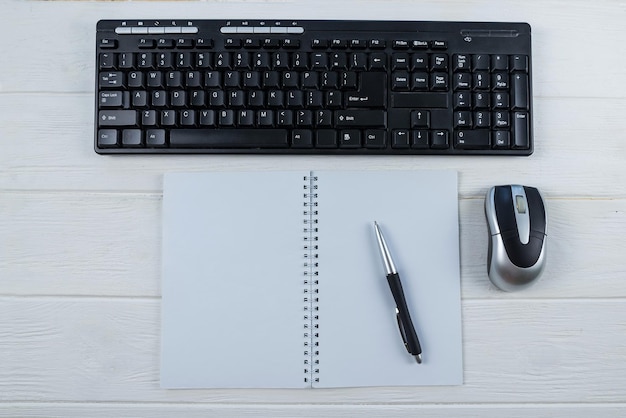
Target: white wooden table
[{"x": 80, "y": 233}]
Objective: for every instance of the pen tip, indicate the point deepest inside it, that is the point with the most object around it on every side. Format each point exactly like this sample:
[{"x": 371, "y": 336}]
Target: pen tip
[{"x": 418, "y": 358}]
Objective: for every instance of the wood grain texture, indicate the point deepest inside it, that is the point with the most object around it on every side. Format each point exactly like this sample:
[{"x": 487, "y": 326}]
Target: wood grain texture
[
  {"x": 95, "y": 350},
  {"x": 80, "y": 234},
  {"x": 109, "y": 244}
]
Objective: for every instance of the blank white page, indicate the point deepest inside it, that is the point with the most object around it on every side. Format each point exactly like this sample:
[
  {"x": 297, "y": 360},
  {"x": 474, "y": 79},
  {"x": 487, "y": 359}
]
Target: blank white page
[
  {"x": 359, "y": 340},
  {"x": 232, "y": 280}
]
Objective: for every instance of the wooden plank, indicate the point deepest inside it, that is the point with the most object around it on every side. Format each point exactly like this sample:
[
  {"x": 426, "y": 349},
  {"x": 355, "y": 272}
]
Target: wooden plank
[
  {"x": 161, "y": 410},
  {"x": 108, "y": 244},
  {"x": 80, "y": 244},
  {"x": 560, "y": 36},
  {"x": 571, "y": 150},
  {"x": 99, "y": 350}
]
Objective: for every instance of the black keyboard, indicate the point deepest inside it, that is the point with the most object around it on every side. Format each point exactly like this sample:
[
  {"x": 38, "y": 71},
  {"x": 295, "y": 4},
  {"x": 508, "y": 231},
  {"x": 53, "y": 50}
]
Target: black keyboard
[{"x": 313, "y": 87}]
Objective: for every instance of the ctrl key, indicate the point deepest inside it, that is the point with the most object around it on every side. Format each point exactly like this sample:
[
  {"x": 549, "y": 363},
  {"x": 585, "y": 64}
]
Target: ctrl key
[{"x": 107, "y": 138}]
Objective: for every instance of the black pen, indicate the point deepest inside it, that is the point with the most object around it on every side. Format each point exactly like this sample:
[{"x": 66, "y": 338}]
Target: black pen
[{"x": 407, "y": 330}]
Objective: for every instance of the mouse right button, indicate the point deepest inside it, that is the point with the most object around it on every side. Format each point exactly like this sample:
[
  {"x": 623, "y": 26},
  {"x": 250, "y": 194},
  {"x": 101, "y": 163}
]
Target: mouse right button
[{"x": 537, "y": 210}]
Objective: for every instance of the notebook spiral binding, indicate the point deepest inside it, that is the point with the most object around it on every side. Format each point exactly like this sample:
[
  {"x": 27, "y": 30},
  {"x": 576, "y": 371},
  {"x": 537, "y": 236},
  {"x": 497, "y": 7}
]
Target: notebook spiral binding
[{"x": 311, "y": 281}]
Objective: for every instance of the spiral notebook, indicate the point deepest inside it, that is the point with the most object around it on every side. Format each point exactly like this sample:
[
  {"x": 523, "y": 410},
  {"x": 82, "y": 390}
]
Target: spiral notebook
[{"x": 275, "y": 279}]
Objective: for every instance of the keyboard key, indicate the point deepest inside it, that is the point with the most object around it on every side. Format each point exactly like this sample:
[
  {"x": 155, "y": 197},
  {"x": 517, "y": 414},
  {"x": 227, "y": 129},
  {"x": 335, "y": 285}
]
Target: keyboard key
[
  {"x": 400, "y": 61},
  {"x": 378, "y": 61},
  {"x": 350, "y": 139},
  {"x": 377, "y": 44},
  {"x": 500, "y": 139},
  {"x": 204, "y": 43},
  {"x": 228, "y": 138},
  {"x": 131, "y": 138},
  {"x": 117, "y": 118},
  {"x": 375, "y": 138},
  {"x": 438, "y": 62},
  {"x": 519, "y": 91},
  {"x": 439, "y": 44},
  {"x": 420, "y": 119},
  {"x": 400, "y": 138},
  {"x": 419, "y": 44},
  {"x": 111, "y": 79},
  {"x": 463, "y": 119},
  {"x": 371, "y": 94},
  {"x": 419, "y": 139},
  {"x": 107, "y": 138},
  {"x": 184, "y": 43},
  {"x": 111, "y": 99},
  {"x": 301, "y": 138},
  {"x": 400, "y": 44},
  {"x": 360, "y": 118},
  {"x": 439, "y": 139},
  {"x": 472, "y": 139},
  {"x": 155, "y": 138},
  {"x": 232, "y": 43},
  {"x": 520, "y": 130},
  {"x": 400, "y": 81},
  {"x": 461, "y": 62},
  {"x": 163, "y": 43},
  {"x": 439, "y": 81},
  {"x": 339, "y": 43},
  {"x": 499, "y": 62},
  {"x": 480, "y": 62},
  {"x": 319, "y": 43},
  {"x": 326, "y": 138},
  {"x": 107, "y": 60},
  {"x": 519, "y": 63},
  {"x": 107, "y": 43},
  {"x": 290, "y": 43},
  {"x": 145, "y": 43}
]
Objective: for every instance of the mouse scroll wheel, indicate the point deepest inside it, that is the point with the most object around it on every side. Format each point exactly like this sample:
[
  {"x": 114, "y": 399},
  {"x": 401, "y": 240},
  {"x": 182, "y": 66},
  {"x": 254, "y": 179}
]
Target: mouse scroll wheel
[{"x": 520, "y": 203}]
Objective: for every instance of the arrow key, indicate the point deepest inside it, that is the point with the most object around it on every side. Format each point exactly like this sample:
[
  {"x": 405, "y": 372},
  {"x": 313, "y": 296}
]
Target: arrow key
[{"x": 420, "y": 119}]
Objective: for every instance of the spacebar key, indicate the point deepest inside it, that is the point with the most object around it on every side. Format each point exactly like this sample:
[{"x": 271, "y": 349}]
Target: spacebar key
[{"x": 228, "y": 138}]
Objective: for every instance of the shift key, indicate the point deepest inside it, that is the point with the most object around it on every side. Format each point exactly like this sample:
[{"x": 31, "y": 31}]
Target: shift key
[
  {"x": 360, "y": 118},
  {"x": 117, "y": 118}
]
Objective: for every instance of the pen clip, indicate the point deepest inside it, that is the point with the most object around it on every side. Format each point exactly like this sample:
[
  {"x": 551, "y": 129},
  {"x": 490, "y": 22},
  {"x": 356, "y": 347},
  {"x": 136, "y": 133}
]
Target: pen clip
[{"x": 401, "y": 328}]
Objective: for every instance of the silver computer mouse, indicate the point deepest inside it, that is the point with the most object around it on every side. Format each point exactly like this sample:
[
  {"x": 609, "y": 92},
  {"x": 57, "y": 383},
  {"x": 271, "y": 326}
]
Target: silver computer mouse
[{"x": 517, "y": 221}]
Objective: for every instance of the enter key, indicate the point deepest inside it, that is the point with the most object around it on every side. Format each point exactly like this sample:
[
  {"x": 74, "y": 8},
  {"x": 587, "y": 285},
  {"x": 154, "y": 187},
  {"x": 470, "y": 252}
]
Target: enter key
[{"x": 372, "y": 91}]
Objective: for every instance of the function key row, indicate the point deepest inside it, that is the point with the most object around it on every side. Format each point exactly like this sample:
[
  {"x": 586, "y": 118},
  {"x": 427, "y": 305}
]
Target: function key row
[
  {"x": 161, "y": 43},
  {"x": 273, "y": 42},
  {"x": 400, "y": 44}
]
